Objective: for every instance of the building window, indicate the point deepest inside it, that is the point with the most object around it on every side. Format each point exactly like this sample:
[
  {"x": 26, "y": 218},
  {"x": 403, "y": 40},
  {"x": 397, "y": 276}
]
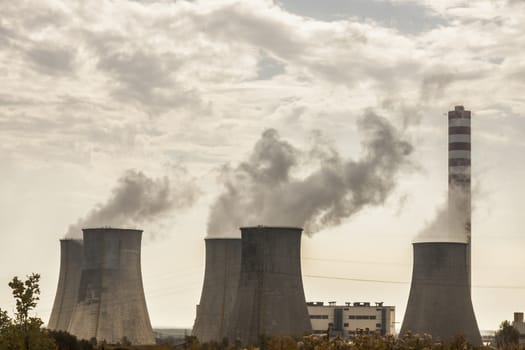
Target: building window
[
  {"x": 378, "y": 325},
  {"x": 372, "y": 317},
  {"x": 352, "y": 317},
  {"x": 319, "y": 317},
  {"x": 345, "y": 325}
]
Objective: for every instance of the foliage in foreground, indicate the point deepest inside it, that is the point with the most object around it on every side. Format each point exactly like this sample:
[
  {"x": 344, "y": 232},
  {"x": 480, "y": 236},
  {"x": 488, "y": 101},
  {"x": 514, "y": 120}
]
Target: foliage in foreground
[
  {"x": 23, "y": 331},
  {"x": 66, "y": 341},
  {"x": 507, "y": 337},
  {"x": 363, "y": 342}
]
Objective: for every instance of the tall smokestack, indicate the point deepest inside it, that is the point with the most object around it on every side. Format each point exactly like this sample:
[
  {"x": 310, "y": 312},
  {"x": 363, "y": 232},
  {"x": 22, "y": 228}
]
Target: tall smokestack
[
  {"x": 270, "y": 298},
  {"x": 111, "y": 303},
  {"x": 459, "y": 202},
  {"x": 221, "y": 280},
  {"x": 439, "y": 303},
  {"x": 71, "y": 255}
]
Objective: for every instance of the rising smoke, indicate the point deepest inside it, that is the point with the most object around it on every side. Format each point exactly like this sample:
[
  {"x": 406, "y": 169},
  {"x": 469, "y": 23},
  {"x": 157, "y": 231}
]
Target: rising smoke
[
  {"x": 264, "y": 190},
  {"x": 452, "y": 220},
  {"x": 137, "y": 199}
]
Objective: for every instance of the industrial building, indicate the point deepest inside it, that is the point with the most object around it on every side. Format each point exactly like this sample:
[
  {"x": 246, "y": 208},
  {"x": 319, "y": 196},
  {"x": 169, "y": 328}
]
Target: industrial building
[
  {"x": 519, "y": 325},
  {"x": 71, "y": 258},
  {"x": 219, "y": 291},
  {"x": 111, "y": 305},
  {"x": 440, "y": 302},
  {"x": 270, "y": 297},
  {"x": 352, "y": 318}
]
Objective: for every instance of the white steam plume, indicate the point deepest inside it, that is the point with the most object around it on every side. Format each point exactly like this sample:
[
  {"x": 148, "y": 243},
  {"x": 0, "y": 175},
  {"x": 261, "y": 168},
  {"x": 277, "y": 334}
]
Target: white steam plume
[
  {"x": 452, "y": 219},
  {"x": 263, "y": 190},
  {"x": 135, "y": 200}
]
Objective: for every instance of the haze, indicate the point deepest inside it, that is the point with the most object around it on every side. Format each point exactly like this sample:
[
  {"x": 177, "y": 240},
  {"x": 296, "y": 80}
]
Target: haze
[{"x": 174, "y": 92}]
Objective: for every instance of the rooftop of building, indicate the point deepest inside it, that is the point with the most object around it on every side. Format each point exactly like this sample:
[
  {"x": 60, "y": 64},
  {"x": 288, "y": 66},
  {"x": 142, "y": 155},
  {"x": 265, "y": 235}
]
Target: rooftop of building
[{"x": 347, "y": 304}]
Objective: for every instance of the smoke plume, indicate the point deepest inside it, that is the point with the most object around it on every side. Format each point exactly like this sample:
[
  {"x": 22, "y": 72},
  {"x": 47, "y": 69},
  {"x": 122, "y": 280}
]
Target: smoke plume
[
  {"x": 452, "y": 220},
  {"x": 265, "y": 189},
  {"x": 135, "y": 200}
]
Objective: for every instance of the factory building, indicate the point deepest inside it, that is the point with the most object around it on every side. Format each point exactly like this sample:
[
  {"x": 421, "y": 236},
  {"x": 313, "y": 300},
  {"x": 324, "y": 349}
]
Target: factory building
[{"x": 352, "y": 318}]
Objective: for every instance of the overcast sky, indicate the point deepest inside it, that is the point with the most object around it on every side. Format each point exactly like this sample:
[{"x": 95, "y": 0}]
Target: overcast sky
[{"x": 174, "y": 92}]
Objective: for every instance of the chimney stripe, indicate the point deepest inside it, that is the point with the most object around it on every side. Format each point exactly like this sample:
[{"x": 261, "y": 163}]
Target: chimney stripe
[
  {"x": 458, "y": 154},
  {"x": 453, "y": 122},
  {"x": 458, "y": 138},
  {"x": 459, "y": 146},
  {"x": 459, "y": 169},
  {"x": 459, "y": 130},
  {"x": 458, "y": 162}
]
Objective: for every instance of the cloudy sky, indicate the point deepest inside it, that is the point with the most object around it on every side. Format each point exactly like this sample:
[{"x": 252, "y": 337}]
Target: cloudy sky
[{"x": 167, "y": 98}]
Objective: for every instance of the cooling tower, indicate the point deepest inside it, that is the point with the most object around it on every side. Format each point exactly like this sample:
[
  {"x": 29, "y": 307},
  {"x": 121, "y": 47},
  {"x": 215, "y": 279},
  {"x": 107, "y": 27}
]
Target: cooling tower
[
  {"x": 111, "y": 303},
  {"x": 71, "y": 255},
  {"x": 439, "y": 303},
  {"x": 221, "y": 280},
  {"x": 270, "y": 298}
]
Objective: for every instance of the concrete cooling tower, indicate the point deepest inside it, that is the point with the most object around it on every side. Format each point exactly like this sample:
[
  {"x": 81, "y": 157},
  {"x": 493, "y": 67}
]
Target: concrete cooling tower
[
  {"x": 71, "y": 255},
  {"x": 270, "y": 298},
  {"x": 221, "y": 280},
  {"x": 439, "y": 302},
  {"x": 111, "y": 303}
]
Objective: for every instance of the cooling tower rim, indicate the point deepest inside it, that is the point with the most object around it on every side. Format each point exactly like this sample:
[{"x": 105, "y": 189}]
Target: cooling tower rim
[
  {"x": 271, "y": 227},
  {"x": 79, "y": 240},
  {"x": 222, "y": 238},
  {"x": 439, "y": 243},
  {"x": 90, "y": 229}
]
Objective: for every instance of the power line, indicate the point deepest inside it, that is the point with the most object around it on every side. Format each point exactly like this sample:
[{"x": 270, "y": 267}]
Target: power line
[{"x": 481, "y": 286}]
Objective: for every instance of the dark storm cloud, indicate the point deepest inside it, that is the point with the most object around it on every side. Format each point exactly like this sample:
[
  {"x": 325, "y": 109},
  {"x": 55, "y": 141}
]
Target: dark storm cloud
[{"x": 264, "y": 190}]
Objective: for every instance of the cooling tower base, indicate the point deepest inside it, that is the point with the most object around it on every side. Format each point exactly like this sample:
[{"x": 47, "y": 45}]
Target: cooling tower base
[{"x": 440, "y": 301}]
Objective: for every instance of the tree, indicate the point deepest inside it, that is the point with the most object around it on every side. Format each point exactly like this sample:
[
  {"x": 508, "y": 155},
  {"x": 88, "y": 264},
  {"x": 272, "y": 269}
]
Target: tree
[
  {"x": 66, "y": 341},
  {"x": 26, "y": 295},
  {"x": 507, "y": 337},
  {"x": 24, "y": 332}
]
